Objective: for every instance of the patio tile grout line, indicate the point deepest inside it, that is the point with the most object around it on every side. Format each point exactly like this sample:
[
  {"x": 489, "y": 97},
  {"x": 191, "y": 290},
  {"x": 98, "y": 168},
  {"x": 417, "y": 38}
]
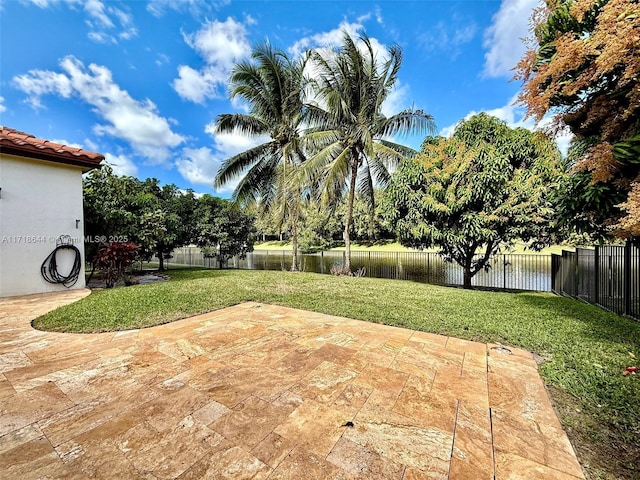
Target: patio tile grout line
[{"x": 453, "y": 439}]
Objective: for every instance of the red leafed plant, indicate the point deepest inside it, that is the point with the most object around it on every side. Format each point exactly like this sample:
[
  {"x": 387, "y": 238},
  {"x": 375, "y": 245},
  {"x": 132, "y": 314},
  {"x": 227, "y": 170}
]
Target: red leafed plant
[{"x": 113, "y": 259}]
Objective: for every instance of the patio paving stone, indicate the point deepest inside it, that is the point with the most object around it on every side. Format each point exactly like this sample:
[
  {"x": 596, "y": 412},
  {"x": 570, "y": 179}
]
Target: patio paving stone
[{"x": 266, "y": 392}]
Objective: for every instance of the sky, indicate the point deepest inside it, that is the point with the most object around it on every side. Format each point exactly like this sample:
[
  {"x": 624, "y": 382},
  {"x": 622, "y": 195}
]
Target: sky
[{"x": 142, "y": 82}]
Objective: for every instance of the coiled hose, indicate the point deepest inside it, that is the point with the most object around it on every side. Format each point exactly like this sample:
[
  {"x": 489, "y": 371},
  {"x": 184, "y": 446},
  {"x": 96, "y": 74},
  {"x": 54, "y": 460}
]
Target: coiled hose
[{"x": 49, "y": 268}]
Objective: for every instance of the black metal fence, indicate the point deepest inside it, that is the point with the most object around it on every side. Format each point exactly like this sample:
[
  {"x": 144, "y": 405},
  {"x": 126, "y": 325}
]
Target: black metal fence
[
  {"x": 509, "y": 271},
  {"x": 607, "y": 276}
]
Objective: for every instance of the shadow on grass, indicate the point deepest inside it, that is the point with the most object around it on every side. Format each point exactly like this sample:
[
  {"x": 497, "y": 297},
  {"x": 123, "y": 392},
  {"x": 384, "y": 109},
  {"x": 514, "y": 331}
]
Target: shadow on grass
[{"x": 598, "y": 323}]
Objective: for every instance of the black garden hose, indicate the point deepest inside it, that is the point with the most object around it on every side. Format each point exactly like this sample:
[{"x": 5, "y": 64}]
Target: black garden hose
[{"x": 49, "y": 268}]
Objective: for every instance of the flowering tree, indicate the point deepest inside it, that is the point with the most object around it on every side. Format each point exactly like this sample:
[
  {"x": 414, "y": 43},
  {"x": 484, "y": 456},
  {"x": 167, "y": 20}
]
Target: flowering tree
[{"x": 582, "y": 67}]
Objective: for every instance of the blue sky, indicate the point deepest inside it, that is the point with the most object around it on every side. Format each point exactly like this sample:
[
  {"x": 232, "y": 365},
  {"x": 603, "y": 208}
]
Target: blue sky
[{"x": 142, "y": 81}]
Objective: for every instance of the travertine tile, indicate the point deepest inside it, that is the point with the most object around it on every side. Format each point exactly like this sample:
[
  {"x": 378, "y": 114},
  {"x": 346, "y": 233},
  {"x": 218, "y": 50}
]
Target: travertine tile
[
  {"x": 6, "y": 389},
  {"x": 273, "y": 449},
  {"x": 512, "y": 467},
  {"x": 316, "y": 426},
  {"x": 472, "y": 456},
  {"x": 12, "y": 360},
  {"x": 359, "y": 461},
  {"x": 325, "y": 382},
  {"x": 233, "y": 463},
  {"x": 301, "y": 463},
  {"x": 35, "y": 460},
  {"x": 539, "y": 442},
  {"x": 249, "y": 422},
  {"x": 257, "y": 391},
  {"x": 31, "y": 406},
  {"x": 170, "y": 453}
]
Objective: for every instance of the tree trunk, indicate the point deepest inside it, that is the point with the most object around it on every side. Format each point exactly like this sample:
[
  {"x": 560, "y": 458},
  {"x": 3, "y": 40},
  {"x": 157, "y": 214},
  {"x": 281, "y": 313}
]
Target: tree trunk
[
  {"x": 347, "y": 228},
  {"x": 294, "y": 243},
  {"x": 467, "y": 277},
  {"x": 468, "y": 274},
  {"x": 161, "y": 260}
]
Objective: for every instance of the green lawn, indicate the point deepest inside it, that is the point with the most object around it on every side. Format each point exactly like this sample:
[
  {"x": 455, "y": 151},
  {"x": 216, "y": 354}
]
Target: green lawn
[
  {"x": 585, "y": 349},
  {"x": 391, "y": 246}
]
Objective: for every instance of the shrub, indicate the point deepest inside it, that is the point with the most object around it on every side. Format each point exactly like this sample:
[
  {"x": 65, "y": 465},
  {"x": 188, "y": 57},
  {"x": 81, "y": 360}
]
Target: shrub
[{"x": 112, "y": 259}]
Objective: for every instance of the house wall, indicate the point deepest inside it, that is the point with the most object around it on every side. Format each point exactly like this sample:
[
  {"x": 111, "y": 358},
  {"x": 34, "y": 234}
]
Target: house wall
[{"x": 39, "y": 201}]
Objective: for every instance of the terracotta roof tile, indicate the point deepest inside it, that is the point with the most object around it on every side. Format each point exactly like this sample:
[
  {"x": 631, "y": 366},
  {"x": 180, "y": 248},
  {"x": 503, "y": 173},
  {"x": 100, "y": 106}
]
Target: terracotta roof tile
[{"x": 20, "y": 143}]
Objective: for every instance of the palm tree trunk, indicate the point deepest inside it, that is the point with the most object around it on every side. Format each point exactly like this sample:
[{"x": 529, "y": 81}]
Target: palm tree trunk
[
  {"x": 347, "y": 228},
  {"x": 294, "y": 242}
]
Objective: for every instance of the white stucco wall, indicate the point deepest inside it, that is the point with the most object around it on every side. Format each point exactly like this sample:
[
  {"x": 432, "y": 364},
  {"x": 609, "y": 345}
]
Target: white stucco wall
[{"x": 39, "y": 201}]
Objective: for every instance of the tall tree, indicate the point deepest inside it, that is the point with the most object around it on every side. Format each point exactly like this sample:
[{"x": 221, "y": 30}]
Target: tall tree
[
  {"x": 352, "y": 137},
  {"x": 224, "y": 228},
  {"x": 583, "y": 66},
  {"x": 478, "y": 191},
  {"x": 272, "y": 86},
  {"x": 156, "y": 219}
]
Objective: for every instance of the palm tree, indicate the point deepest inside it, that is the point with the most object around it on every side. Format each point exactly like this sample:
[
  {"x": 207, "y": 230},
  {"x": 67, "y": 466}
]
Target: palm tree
[
  {"x": 272, "y": 87},
  {"x": 352, "y": 138}
]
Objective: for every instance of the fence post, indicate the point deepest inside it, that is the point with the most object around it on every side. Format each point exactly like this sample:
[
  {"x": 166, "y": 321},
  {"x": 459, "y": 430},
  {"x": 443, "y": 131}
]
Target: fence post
[
  {"x": 576, "y": 277},
  {"x": 596, "y": 280},
  {"x": 627, "y": 278},
  {"x": 504, "y": 271},
  {"x": 322, "y": 261}
]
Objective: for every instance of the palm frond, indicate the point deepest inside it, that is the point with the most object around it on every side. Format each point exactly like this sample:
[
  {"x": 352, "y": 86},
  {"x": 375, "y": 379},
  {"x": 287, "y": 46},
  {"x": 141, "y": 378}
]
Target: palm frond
[
  {"x": 398, "y": 148},
  {"x": 234, "y": 167},
  {"x": 240, "y": 123},
  {"x": 257, "y": 181},
  {"x": 405, "y": 122}
]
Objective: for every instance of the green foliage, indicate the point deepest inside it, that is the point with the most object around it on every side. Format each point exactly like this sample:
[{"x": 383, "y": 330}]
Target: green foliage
[
  {"x": 483, "y": 189},
  {"x": 159, "y": 219},
  {"x": 223, "y": 228},
  {"x": 319, "y": 229}
]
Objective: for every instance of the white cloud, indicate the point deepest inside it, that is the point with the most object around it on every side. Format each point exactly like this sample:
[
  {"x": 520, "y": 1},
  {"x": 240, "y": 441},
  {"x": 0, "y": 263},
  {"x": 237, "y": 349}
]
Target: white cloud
[
  {"x": 102, "y": 19},
  {"x": 396, "y": 101},
  {"x": 162, "y": 59},
  {"x": 199, "y": 85},
  {"x": 200, "y": 165},
  {"x": 196, "y": 7},
  {"x": 221, "y": 45},
  {"x": 378, "y": 13},
  {"x": 2, "y": 107},
  {"x": 121, "y": 164},
  {"x": 503, "y": 38},
  {"x": 137, "y": 122},
  {"x": 96, "y": 10},
  {"x": 447, "y": 37},
  {"x": 68, "y": 144},
  {"x": 333, "y": 38},
  {"x": 514, "y": 115}
]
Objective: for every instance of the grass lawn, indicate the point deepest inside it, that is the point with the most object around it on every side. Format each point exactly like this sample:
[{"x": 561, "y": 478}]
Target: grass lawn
[
  {"x": 585, "y": 349},
  {"x": 391, "y": 246}
]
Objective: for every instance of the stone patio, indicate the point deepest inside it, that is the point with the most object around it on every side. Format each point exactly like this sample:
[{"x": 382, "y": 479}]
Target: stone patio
[{"x": 261, "y": 391}]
